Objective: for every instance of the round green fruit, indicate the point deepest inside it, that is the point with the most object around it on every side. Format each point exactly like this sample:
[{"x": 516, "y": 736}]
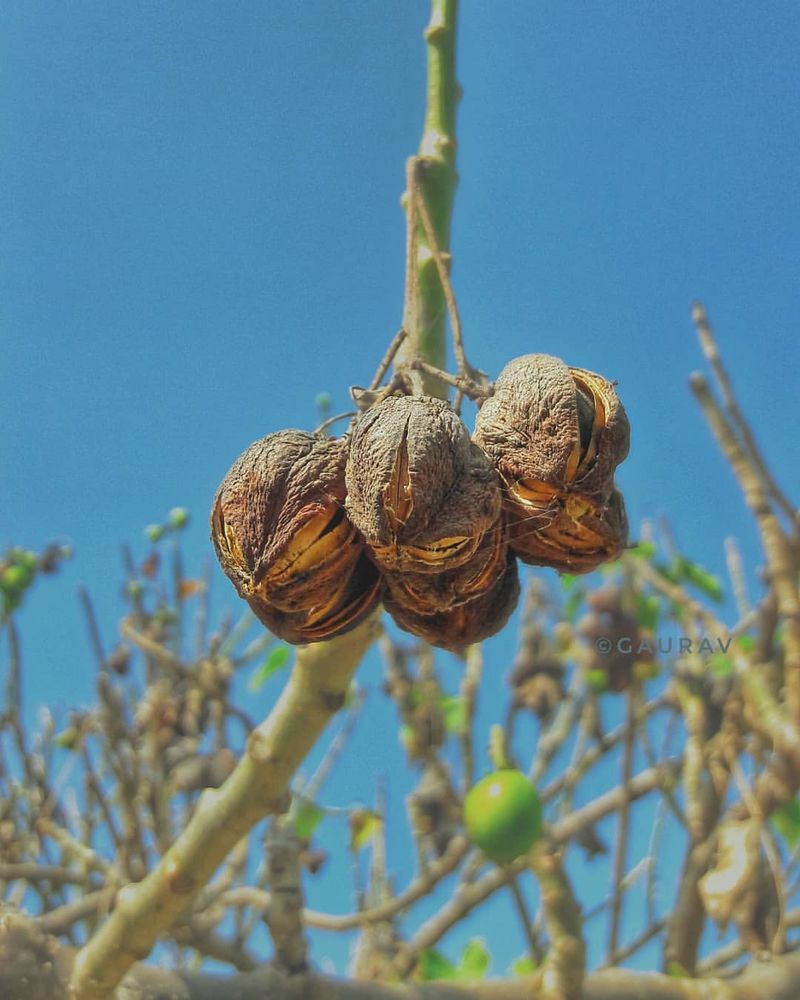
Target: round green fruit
[{"x": 503, "y": 815}]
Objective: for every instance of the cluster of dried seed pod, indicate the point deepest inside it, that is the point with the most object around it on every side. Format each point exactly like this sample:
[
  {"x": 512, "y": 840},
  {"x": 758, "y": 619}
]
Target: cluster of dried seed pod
[{"x": 314, "y": 532}]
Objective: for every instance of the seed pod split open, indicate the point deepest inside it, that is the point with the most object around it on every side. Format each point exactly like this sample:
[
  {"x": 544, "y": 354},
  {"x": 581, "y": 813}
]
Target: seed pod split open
[
  {"x": 465, "y": 623},
  {"x": 281, "y": 534},
  {"x": 555, "y": 435},
  {"x": 420, "y": 492}
]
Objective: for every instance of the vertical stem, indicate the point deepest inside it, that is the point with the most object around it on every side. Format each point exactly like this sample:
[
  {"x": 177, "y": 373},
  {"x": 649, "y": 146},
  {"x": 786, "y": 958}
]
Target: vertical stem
[{"x": 436, "y": 183}]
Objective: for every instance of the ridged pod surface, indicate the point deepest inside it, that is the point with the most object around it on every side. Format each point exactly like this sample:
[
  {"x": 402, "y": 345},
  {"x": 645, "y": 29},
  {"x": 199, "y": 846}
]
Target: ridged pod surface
[
  {"x": 282, "y": 536},
  {"x": 465, "y": 623},
  {"x": 419, "y": 491},
  {"x": 556, "y": 434}
]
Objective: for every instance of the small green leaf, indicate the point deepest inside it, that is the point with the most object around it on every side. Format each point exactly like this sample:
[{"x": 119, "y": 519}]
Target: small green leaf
[
  {"x": 644, "y": 550},
  {"x": 567, "y": 581},
  {"x": 364, "y": 824},
  {"x": 597, "y": 680},
  {"x": 721, "y": 664},
  {"x": 648, "y": 610},
  {"x": 452, "y": 712},
  {"x": 786, "y": 821},
  {"x": 475, "y": 960},
  {"x": 523, "y": 966},
  {"x": 307, "y": 816},
  {"x": 434, "y": 965},
  {"x": 676, "y": 970},
  {"x": 67, "y": 739},
  {"x": 690, "y": 572},
  {"x": 275, "y": 661},
  {"x": 405, "y": 734},
  {"x": 573, "y": 603},
  {"x": 746, "y": 643}
]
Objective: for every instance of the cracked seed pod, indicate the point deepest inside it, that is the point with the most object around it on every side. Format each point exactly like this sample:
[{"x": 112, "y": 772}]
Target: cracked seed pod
[
  {"x": 460, "y": 626},
  {"x": 555, "y": 435},
  {"x": 282, "y": 537},
  {"x": 421, "y": 493},
  {"x": 429, "y": 593}
]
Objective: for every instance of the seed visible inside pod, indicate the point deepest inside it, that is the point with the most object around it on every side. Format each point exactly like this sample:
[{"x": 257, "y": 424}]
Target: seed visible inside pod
[
  {"x": 465, "y": 623},
  {"x": 420, "y": 492},
  {"x": 284, "y": 540},
  {"x": 556, "y": 434}
]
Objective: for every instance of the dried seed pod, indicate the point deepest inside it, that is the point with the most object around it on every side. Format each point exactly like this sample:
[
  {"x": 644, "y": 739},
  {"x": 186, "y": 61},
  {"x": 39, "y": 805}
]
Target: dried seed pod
[
  {"x": 555, "y": 435},
  {"x": 429, "y": 593},
  {"x": 466, "y": 623},
  {"x": 581, "y": 533},
  {"x": 282, "y": 537},
  {"x": 421, "y": 493}
]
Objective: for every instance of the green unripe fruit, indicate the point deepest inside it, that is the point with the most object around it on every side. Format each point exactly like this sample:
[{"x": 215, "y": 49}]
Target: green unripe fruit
[
  {"x": 154, "y": 532},
  {"x": 503, "y": 815}
]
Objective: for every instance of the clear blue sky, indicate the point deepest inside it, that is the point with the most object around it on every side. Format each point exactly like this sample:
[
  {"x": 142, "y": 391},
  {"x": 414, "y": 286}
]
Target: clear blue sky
[{"x": 201, "y": 231}]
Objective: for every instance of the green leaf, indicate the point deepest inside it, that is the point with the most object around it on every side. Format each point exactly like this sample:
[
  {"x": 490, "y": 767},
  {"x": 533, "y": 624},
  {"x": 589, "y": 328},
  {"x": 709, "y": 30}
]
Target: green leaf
[
  {"x": 475, "y": 960},
  {"x": 452, "y": 712},
  {"x": 364, "y": 824},
  {"x": 523, "y": 966},
  {"x": 434, "y": 965},
  {"x": 406, "y": 735},
  {"x": 648, "y": 610},
  {"x": 721, "y": 664},
  {"x": 567, "y": 581},
  {"x": 307, "y": 816},
  {"x": 276, "y": 660},
  {"x": 676, "y": 970},
  {"x": 786, "y": 821},
  {"x": 644, "y": 550},
  {"x": 573, "y": 603},
  {"x": 698, "y": 577},
  {"x": 746, "y": 643}
]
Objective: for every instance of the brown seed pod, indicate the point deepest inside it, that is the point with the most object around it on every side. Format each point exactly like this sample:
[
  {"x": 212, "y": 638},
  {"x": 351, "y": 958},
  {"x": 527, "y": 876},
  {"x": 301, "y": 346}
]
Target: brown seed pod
[
  {"x": 582, "y": 533},
  {"x": 465, "y": 623},
  {"x": 428, "y": 593},
  {"x": 421, "y": 493},
  {"x": 282, "y": 537},
  {"x": 555, "y": 435}
]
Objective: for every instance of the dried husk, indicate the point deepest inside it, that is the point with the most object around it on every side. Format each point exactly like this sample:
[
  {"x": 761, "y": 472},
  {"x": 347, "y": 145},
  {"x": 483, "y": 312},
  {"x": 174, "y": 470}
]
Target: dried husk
[
  {"x": 428, "y": 593},
  {"x": 421, "y": 493},
  {"x": 556, "y": 434},
  {"x": 472, "y": 621},
  {"x": 283, "y": 538},
  {"x": 581, "y": 533}
]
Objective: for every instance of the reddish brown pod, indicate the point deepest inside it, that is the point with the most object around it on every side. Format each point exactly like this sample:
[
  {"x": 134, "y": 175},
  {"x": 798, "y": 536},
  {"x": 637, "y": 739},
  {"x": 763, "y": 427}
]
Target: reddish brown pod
[
  {"x": 467, "y": 622},
  {"x": 556, "y": 434},
  {"x": 283, "y": 538},
  {"x": 419, "y": 491}
]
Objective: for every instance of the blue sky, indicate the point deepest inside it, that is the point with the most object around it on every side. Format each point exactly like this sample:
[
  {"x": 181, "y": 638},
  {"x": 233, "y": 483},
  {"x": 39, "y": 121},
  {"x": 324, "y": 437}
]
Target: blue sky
[{"x": 201, "y": 231}]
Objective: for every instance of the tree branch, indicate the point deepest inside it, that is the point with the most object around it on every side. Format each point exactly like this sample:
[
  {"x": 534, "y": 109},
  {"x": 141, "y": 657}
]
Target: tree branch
[{"x": 257, "y": 787}]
